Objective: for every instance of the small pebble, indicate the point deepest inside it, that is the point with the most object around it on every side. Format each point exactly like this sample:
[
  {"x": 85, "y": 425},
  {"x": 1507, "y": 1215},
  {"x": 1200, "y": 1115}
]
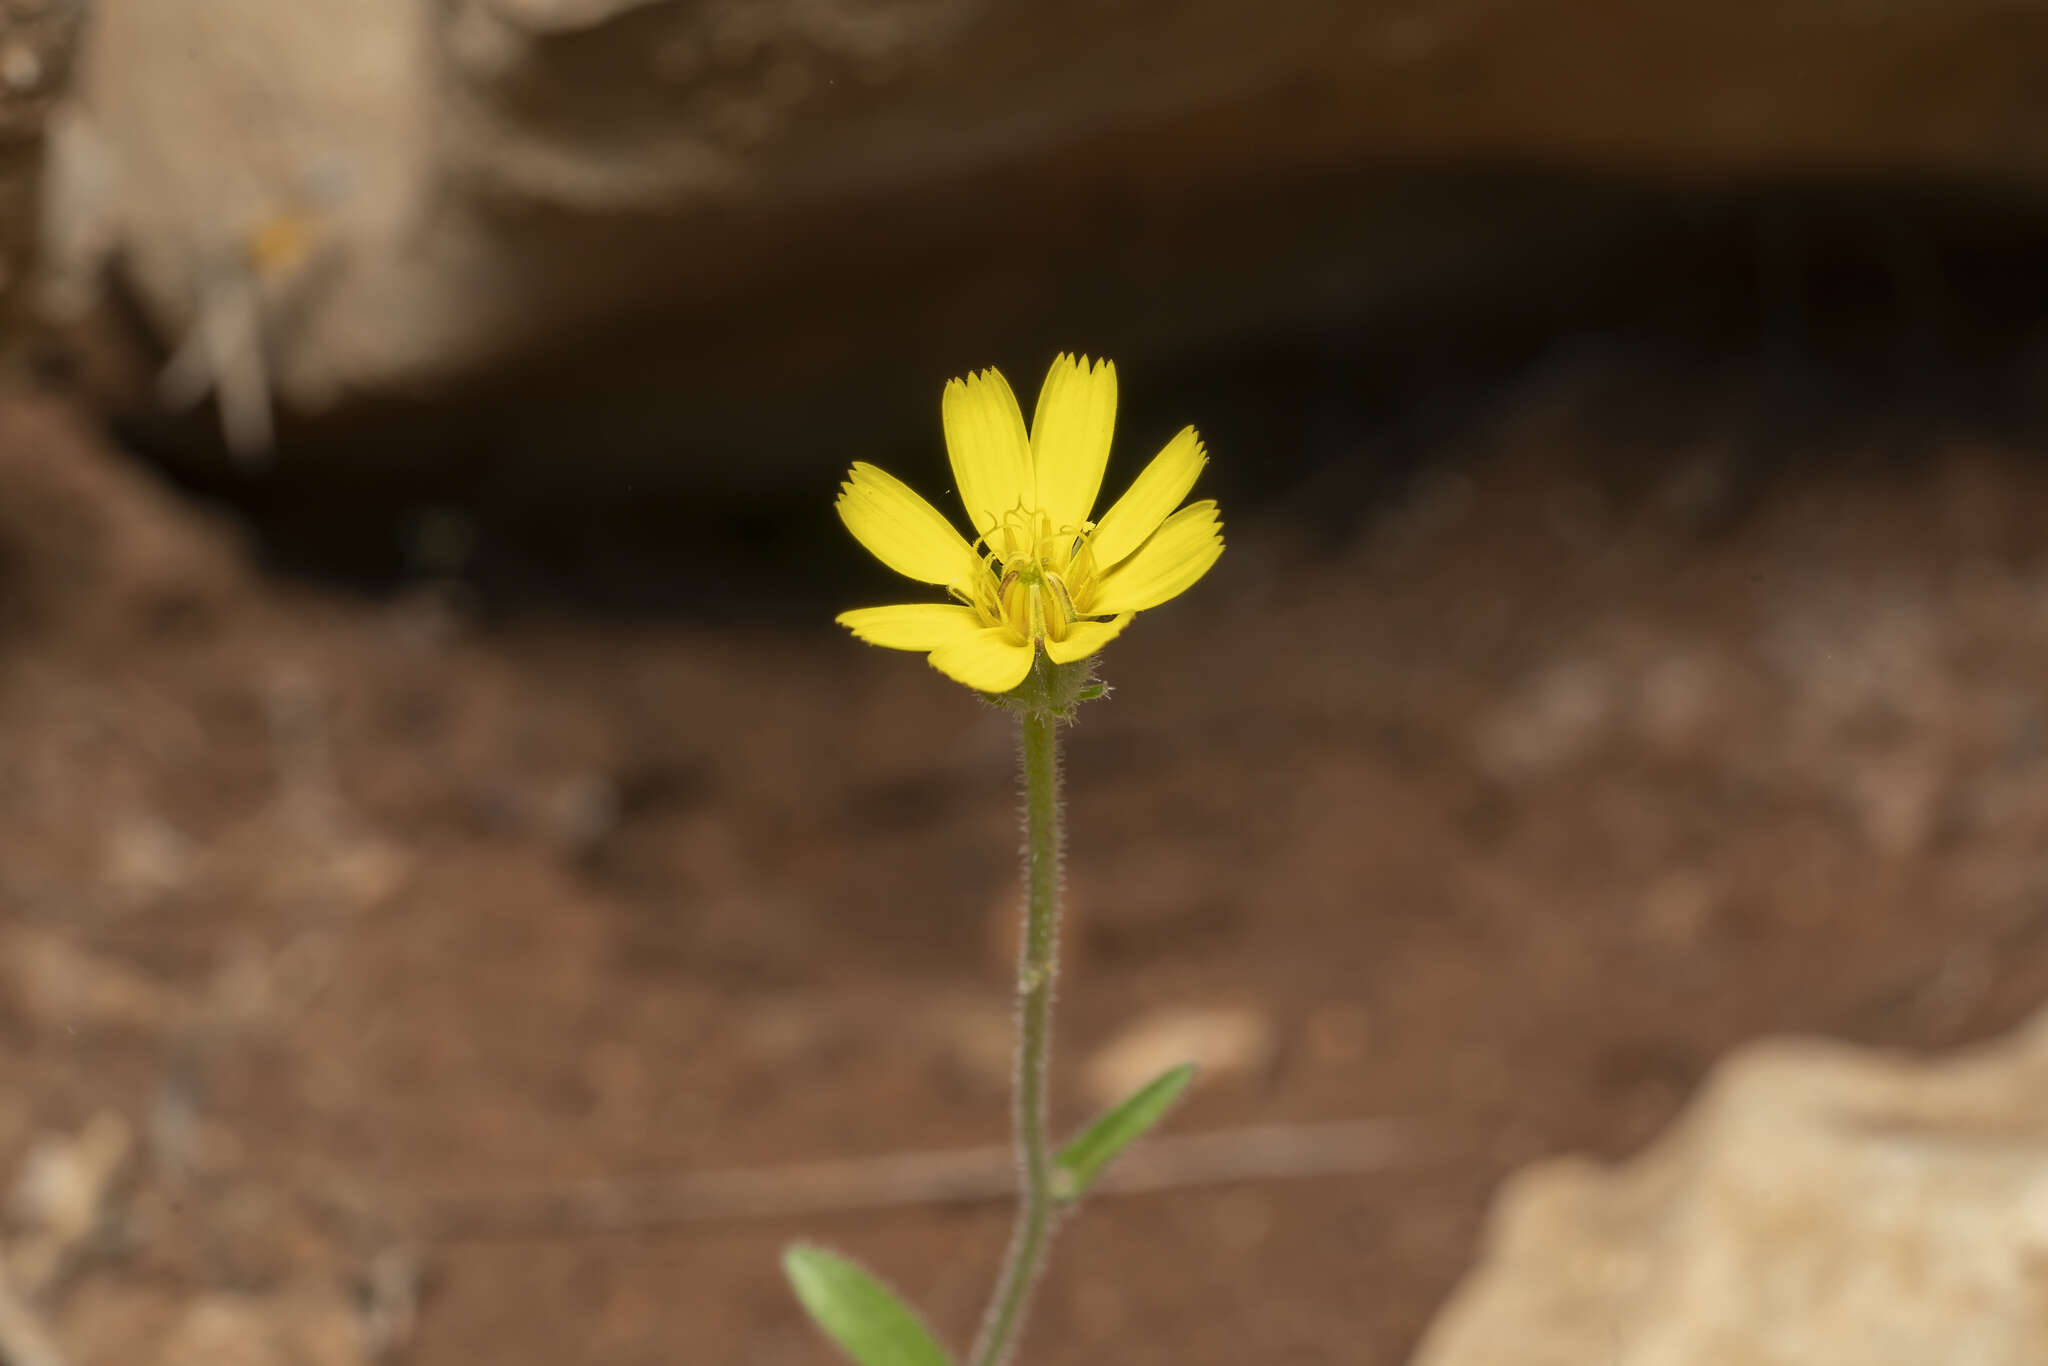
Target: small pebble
[{"x": 20, "y": 68}]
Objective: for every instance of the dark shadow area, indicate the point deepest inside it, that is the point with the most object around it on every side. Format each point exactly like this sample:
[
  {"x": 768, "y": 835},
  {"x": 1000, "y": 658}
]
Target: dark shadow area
[{"x": 612, "y": 485}]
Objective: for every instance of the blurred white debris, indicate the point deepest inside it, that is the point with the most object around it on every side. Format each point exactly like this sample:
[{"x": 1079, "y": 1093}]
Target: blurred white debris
[
  {"x": 1219, "y": 1041},
  {"x": 59, "y": 1198},
  {"x": 222, "y": 355}
]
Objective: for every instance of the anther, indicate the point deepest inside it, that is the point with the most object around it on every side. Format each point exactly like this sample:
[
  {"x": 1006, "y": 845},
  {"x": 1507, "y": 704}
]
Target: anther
[{"x": 1059, "y": 591}]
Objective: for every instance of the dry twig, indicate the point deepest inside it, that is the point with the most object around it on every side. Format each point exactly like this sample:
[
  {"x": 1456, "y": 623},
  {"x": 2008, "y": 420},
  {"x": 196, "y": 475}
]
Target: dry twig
[{"x": 962, "y": 1176}]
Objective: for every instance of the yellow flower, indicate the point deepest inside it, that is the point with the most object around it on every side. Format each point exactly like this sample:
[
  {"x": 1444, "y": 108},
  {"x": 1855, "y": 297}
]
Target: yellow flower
[{"x": 1038, "y": 572}]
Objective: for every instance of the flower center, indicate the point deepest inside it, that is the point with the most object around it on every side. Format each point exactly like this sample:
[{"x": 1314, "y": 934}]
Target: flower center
[{"x": 1035, "y": 578}]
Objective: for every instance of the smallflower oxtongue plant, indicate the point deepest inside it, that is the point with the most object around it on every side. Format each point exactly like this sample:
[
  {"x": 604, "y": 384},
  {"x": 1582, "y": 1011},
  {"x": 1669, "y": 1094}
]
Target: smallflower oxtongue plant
[
  {"x": 1037, "y": 587},
  {"x": 1038, "y": 575}
]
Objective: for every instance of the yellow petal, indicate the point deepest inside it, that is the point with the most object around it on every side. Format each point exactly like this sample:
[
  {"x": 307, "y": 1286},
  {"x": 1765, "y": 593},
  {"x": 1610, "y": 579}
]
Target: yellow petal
[
  {"x": 1154, "y": 493},
  {"x": 912, "y": 625},
  {"x": 1179, "y": 553},
  {"x": 901, "y": 529},
  {"x": 986, "y": 442},
  {"x": 1070, "y": 437},
  {"x": 992, "y": 659},
  {"x": 1084, "y": 638}
]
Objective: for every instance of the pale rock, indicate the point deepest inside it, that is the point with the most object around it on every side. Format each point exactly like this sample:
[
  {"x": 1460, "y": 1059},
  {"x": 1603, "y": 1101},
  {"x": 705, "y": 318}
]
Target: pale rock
[
  {"x": 345, "y": 202},
  {"x": 1818, "y": 1206}
]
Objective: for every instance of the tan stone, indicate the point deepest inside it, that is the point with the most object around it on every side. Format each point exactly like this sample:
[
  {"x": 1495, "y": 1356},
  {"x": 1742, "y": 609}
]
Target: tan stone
[{"x": 1817, "y": 1206}]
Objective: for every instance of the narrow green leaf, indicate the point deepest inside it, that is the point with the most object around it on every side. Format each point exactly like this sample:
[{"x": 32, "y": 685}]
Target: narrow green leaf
[
  {"x": 1081, "y": 1161},
  {"x": 858, "y": 1312}
]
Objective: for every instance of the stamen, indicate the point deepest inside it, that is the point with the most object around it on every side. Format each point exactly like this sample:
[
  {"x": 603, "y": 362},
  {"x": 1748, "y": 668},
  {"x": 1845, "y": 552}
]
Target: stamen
[
  {"x": 1033, "y": 573},
  {"x": 1059, "y": 592}
]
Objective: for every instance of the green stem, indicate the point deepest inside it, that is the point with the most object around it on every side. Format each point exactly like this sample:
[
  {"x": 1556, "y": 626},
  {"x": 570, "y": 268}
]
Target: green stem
[{"x": 1039, "y": 754}]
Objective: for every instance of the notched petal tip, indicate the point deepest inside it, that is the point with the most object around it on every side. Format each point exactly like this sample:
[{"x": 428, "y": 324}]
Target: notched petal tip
[
  {"x": 1152, "y": 496},
  {"x": 988, "y": 377},
  {"x": 1071, "y": 430},
  {"x": 987, "y": 446},
  {"x": 1170, "y": 561}
]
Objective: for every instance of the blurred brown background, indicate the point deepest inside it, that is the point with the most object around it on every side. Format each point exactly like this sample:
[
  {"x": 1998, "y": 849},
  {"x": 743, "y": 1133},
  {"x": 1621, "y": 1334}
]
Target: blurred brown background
[{"x": 456, "y": 887}]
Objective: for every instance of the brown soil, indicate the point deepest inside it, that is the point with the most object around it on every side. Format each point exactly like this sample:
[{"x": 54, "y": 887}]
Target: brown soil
[{"x": 1561, "y": 776}]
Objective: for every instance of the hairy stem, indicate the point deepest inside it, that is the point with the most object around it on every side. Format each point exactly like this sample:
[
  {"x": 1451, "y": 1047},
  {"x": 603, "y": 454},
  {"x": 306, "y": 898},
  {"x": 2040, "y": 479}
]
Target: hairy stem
[{"x": 1039, "y": 754}]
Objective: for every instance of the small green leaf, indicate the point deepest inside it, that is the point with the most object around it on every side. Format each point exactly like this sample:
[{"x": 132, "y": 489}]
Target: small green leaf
[
  {"x": 1081, "y": 1161},
  {"x": 858, "y": 1312}
]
